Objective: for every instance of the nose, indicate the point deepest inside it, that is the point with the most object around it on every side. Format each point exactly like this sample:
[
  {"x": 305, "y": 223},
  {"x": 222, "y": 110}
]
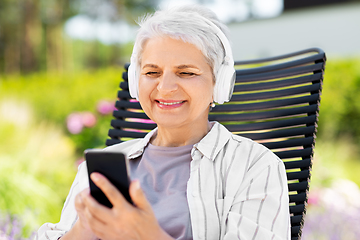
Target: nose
[{"x": 167, "y": 83}]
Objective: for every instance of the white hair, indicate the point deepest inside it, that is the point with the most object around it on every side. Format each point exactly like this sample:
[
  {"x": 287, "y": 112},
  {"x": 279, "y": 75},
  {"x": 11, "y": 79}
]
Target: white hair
[{"x": 186, "y": 23}]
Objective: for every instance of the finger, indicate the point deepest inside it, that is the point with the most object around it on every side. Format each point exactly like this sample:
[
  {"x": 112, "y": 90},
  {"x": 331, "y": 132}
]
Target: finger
[
  {"x": 79, "y": 203},
  {"x": 111, "y": 192},
  {"x": 96, "y": 225},
  {"x": 94, "y": 209},
  {"x": 138, "y": 196}
]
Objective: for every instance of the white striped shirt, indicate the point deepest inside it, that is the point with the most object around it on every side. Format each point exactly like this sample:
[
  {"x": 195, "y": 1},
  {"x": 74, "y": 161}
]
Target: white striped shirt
[{"x": 237, "y": 189}]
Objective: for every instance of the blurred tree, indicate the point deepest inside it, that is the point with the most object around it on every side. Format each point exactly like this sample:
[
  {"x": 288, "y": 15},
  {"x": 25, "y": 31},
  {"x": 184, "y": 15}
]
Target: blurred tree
[
  {"x": 138, "y": 7},
  {"x": 9, "y": 36},
  {"x": 113, "y": 10},
  {"x": 53, "y": 14},
  {"x": 30, "y": 34},
  {"x": 96, "y": 54},
  {"x": 31, "y": 31}
]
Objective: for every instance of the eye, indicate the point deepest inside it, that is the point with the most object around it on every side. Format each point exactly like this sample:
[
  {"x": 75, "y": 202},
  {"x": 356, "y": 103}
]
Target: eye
[
  {"x": 152, "y": 73},
  {"x": 187, "y": 74}
]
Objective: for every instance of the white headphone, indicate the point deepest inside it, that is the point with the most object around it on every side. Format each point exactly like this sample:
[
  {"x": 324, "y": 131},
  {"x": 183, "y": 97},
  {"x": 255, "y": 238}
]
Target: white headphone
[{"x": 225, "y": 77}]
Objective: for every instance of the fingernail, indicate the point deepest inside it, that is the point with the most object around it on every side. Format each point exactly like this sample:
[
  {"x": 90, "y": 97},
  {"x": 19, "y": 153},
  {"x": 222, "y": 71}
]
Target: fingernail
[
  {"x": 136, "y": 184},
  {"x": 94, "y": 176}
]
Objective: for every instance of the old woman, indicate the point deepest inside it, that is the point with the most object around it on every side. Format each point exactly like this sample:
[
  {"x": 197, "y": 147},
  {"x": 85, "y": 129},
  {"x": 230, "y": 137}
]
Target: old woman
[{"x": 191, "y": 178}]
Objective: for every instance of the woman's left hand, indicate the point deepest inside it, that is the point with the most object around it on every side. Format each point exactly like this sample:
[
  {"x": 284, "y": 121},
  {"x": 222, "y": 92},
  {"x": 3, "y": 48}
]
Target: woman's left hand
[{"x": 123, "y": 221}]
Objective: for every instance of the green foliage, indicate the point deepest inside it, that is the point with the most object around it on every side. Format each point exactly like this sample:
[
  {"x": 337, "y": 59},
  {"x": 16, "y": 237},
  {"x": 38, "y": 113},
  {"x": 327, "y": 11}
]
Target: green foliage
[
  {"x": 340, "y": 104},
  {"x": 337, "y": 154},
  {"x": 335, "y": 159},
  {"x": 84, "y": 55},
  {"x": 38, "y": 154},
  {"x": 55, "y": 96},
  {"x": 37, "y": 165}
]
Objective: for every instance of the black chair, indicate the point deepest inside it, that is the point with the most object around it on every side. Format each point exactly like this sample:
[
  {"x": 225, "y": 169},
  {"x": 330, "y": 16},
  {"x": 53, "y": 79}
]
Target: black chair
[{"x": 275, "y": 102}]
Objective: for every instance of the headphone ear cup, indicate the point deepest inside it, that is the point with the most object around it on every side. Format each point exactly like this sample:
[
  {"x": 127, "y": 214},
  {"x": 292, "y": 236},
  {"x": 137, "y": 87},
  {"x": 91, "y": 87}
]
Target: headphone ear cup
[
  {"x": 224, "y": 86},
  {"x": 133, "y": 81},
  {"x": 219, "y": 86},
  {"x": 230, "y": 79}
]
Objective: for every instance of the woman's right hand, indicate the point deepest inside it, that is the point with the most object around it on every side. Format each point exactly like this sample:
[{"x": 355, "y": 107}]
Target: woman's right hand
[
  {"x": 81, "y": 229},
  {"x": 81, "y": 211}
]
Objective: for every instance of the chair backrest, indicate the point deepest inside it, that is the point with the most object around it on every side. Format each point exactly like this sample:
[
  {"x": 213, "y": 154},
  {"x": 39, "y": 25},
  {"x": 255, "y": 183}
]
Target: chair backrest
[{"x": 275, "y": 102}]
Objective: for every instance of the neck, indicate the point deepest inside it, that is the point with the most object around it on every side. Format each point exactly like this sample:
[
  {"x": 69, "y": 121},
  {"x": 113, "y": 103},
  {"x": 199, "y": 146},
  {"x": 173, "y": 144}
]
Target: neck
[{"x": 180, "y": 136}]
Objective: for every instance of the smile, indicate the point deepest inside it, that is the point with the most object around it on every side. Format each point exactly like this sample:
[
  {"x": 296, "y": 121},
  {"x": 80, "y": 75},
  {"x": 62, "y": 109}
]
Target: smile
[{"x": 170, "y": 103}]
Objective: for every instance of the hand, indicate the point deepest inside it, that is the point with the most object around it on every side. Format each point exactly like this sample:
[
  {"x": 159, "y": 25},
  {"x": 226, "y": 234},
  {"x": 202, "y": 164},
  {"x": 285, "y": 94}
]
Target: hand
[
  {"x": 123, "y": 221},
  {"x": 82, "y": 223}
]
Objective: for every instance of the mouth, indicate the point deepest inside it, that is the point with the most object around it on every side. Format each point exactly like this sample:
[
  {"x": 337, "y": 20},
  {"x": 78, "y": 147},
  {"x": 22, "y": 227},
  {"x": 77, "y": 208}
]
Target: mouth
[{"x": 169, "y": 103}]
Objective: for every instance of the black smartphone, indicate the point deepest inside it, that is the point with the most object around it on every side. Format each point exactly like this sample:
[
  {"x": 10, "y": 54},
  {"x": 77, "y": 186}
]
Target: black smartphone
[{"x": 114, "y": 166}]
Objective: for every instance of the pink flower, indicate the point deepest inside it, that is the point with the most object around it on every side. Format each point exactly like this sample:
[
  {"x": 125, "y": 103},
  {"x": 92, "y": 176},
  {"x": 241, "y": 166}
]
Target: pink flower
[
  {"x": 88, "y": 119},
  {"x": 105, "y": 107},
  {"x": 313, "y": 197},
  {"x": 74, "y": 123}
]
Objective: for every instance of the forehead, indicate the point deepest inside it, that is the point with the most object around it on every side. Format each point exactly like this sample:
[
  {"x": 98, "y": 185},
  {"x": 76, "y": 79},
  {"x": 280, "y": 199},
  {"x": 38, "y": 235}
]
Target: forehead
[{"x": 161, "y": 50}]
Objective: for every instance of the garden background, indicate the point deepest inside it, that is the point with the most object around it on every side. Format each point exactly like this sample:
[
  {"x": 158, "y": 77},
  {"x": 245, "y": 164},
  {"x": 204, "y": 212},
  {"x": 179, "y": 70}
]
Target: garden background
[{"x": 56, "y": 99}]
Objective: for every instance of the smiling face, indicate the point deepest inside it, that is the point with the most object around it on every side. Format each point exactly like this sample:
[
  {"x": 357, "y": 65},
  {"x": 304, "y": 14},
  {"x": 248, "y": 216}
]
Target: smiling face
[{"x": 176, "y": 83}]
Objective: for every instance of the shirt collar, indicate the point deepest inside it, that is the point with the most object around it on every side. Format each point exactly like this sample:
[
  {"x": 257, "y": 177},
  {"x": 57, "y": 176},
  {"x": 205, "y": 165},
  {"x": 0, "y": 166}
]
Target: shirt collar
[
  {"x": 214, "y": 141},
  {"x": 139, "y": 147},
  {"x": 209, "y": 146}
]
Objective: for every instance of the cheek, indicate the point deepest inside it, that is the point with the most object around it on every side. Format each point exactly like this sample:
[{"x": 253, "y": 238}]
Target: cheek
[
  {"x": 203, "y": 93},
  {"x": 209, "y": 93},
  {"x": 146, "y": 88}
]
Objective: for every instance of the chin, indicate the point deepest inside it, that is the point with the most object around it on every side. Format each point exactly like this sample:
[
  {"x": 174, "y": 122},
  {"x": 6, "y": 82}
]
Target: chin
[{"x": 170, "y": 123}]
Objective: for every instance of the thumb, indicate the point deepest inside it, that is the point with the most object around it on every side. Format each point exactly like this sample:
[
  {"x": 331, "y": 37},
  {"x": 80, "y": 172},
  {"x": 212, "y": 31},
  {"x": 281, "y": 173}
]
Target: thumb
[{"x": 138, "y": 196}]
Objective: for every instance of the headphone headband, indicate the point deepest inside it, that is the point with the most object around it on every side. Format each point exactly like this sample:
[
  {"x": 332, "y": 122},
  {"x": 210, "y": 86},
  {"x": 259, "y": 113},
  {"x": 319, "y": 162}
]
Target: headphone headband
[
  {"x": 223, "y": 39},
  {"x": 225, "y": 76}
]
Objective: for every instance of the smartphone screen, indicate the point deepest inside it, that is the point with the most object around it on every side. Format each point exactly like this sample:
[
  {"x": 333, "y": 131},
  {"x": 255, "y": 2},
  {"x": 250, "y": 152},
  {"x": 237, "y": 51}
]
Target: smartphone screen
[{"x": 114, "y": 166}]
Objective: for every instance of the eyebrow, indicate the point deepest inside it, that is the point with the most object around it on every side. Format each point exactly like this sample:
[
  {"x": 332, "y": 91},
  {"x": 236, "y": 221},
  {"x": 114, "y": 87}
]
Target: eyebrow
[
  {"x": 150, "y": 66},
  {"x": 186, "y": 66},
  {"x": 183, "y": 66}
]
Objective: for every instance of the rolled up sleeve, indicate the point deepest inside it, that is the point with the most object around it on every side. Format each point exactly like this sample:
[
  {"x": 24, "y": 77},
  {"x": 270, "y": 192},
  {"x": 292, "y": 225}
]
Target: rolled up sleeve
[{"x": 51, "y": 231}]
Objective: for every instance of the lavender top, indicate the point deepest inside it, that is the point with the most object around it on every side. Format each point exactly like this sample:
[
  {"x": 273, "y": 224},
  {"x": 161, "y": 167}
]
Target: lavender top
[{"x": 163, "y": 173}]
